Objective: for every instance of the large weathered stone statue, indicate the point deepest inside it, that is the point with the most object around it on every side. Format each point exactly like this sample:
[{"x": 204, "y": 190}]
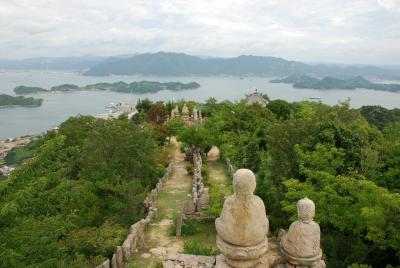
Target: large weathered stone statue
[
  {"x": 301, "y": 244},
  {"x": 243, "y": 226}
]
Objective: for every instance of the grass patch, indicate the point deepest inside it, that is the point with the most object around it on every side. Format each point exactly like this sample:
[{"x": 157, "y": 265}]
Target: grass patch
[
  {"x": 220, "y": 186},
  {"x": 191, "y": 247},
  {"x": 167, "y": 203},
  {"x": 203, "y": 240}
]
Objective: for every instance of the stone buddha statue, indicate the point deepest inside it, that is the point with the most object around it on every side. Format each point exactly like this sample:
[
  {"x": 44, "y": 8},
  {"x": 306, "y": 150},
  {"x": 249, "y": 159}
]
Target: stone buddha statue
[
  {"x": 301, "y": 244},
  {"x": 243, "y": 226}
]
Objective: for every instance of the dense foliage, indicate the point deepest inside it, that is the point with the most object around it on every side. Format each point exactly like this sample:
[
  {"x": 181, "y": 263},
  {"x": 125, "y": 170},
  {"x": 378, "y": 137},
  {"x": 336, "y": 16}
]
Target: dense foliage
[
  {"x": 7, "y": 100},
  {"x": 331, "y": 154},
  {"x": 380, "y": 116},
  {"x": 73, "y": 202}
]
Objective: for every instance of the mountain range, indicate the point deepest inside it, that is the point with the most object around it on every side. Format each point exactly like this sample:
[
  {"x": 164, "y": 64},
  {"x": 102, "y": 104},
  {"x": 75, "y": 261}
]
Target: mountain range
[{"x": 179, "y": 64}]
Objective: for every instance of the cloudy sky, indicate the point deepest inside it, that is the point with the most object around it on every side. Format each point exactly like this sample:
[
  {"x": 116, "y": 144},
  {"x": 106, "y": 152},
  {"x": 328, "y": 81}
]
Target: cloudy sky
[{"x": 346, "y": 31}]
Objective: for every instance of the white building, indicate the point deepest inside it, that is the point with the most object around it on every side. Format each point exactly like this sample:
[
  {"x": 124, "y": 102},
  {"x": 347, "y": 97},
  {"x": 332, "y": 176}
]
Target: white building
[{"x": 256, "y": 98}]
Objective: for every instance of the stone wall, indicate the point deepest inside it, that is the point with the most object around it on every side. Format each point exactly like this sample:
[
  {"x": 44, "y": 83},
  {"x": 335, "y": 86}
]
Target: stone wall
[{"x": 135, "y": 239}]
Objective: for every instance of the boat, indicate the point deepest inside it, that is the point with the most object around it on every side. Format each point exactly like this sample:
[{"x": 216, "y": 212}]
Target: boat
[
  {"x": 111, "y": 105},
  {"x": 315, "y": 98}
]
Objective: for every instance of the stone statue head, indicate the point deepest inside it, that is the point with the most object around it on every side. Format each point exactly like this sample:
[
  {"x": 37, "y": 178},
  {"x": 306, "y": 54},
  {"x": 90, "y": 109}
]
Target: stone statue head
[
  {"x": 244, "y": 183},
  {"x": 305, "y": 210}
]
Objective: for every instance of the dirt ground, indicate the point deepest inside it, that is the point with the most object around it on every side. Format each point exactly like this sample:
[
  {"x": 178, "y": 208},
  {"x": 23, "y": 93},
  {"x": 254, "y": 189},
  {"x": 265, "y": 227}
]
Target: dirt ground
[{"x": 168, "y": 204}]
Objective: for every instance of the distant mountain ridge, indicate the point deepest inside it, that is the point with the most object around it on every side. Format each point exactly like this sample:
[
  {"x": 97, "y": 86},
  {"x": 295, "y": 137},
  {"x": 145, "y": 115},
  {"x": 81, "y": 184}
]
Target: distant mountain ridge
[
  {"x": 174, "y": 64},
  {"x": 179, "y": 64}
]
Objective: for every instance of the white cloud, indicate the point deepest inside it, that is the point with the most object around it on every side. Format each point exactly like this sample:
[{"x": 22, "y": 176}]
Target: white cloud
[{"x": 364, "y": 31}]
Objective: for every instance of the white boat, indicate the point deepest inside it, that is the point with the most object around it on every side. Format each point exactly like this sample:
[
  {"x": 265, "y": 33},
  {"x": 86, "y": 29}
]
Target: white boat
[{"x": 111, "y": 105}]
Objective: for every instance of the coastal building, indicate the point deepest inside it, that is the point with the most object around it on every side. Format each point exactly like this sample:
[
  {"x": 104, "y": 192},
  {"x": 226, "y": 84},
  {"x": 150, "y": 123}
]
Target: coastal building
[
  {"x": 256, "y": 98},
  {"x": 115, "y": 110}
]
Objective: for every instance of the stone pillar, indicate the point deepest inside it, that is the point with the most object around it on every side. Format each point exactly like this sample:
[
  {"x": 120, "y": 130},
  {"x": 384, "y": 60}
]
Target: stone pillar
[
  {"x": 243, "y": 226},
  {"x": 185, "y": 115},
  {"x": 189, "y": 209},
  {"x": 301, "y": 244},
  {"x": 179, "y": 222},
  {"x": 195, "y": 116}
]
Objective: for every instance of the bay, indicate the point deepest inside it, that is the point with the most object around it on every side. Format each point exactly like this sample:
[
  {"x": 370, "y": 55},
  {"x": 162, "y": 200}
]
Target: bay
[{"x": 57, "y": 107}]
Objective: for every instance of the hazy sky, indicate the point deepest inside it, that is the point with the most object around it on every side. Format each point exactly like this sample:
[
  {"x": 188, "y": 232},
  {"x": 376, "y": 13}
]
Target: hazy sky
[{"x": 365, "y": 31}]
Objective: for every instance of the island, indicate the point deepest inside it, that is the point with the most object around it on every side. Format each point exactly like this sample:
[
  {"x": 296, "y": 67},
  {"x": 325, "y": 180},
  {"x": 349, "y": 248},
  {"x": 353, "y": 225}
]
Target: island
[
  {"x": 65, "y": 88},
  {"x": 141, "y": 87},
  {"x": 22, "y": 90},
  {"x": 7, "y": 100},
  {"x": 303, "y": 81}
]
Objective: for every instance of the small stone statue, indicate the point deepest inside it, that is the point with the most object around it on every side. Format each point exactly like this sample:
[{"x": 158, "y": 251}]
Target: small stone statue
[
  {"x": 243, "y": 226},
  {"x": 203, "y": 202},
  {"x": 301, "y": 244},
  {"x": 189, "y": 207}
]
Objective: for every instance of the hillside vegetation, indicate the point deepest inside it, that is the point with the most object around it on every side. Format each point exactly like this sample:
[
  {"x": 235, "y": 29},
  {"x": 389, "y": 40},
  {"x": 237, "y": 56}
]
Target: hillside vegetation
[
  {"x": 73, "y": 202},
  {"x": 331, "y": 154}
]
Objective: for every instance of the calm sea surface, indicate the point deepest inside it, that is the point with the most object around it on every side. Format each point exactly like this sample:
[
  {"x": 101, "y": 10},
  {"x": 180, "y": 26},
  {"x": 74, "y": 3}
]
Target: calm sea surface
[{"x": 57, "y": 107}]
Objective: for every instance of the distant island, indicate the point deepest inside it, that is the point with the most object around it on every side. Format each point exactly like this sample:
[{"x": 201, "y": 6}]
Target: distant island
[
  {"x": 141, "y": 87},
  {"x": 22, "y": 90},
  {"x": 303, "y": 81},
  {"x": 7, "y": 100}
]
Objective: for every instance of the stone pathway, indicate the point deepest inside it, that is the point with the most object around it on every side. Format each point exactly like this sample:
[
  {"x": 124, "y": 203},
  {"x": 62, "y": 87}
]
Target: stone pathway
[
  {"x": 216, "y": 168},
  {"x": 158, "y": 240}
]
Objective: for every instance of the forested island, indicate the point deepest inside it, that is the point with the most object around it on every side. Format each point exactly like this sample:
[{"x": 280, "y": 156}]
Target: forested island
[
  {"x": 72, "y": 203},
  {"x": 7, "y": 100},
  {"x": 23, "y": 90},
  {"x": 141, "y": 87},
  {"x": 303, "y": 81}
]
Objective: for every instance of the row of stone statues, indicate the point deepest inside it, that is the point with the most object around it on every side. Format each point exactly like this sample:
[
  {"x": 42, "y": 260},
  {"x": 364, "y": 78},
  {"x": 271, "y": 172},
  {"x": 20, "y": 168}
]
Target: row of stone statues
[
  {"x": 199, "y": 200},
  {"x": 243, "y": 228},
  {"x": 196, "y": 117}
]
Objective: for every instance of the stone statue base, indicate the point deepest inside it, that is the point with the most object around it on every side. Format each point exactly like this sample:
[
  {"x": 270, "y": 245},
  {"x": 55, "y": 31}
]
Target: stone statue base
[{"x": 241, "y": 257}]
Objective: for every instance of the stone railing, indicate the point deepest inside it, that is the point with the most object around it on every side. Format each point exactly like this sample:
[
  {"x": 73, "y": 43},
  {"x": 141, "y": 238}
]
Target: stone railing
[{"x": 135, "y": 239}]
